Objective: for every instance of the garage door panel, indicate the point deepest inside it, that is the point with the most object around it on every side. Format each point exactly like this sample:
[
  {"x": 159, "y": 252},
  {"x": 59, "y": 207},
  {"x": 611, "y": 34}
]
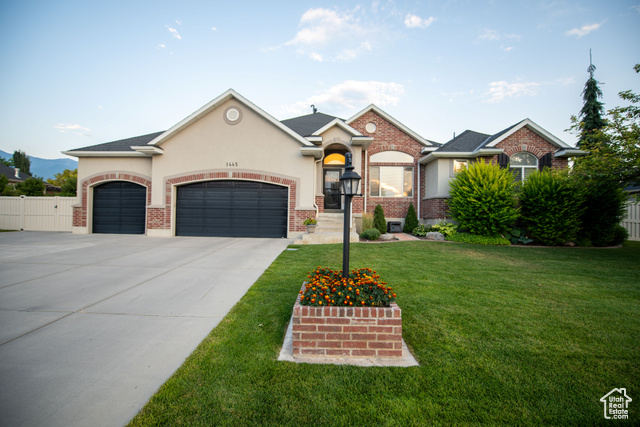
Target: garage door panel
[
  {"x": 232, "y": 209},
  {"x": 119, "y": 207}
]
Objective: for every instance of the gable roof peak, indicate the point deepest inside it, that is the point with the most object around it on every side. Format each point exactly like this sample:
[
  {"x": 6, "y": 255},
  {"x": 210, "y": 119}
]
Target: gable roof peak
[
  {"x": 215, "y": 103},
  {"x": 393, "y": 121}
]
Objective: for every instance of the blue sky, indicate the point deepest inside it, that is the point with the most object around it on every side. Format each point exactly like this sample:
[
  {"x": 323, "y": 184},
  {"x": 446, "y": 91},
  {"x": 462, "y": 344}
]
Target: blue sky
[{"x": 77, "y": 73}]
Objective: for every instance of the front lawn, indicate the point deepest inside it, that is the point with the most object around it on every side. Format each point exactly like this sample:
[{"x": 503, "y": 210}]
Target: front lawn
[{"x": 504, "y": 335}]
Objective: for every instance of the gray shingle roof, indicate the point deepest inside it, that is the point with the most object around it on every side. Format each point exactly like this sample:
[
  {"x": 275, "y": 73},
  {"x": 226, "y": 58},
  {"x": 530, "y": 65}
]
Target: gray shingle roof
[
  {"x": 123, "y": 144},
  {"x": 499, "y": 134},
  {"x": 10, "y": 173},
  {"x": 469, "y": 141},
  {"x": 307, "y": 125},
  {"x": 466, "y": 142}
]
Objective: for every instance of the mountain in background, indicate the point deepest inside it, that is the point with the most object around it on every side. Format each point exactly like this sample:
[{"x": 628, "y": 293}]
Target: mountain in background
[{"x": 45, "y": 168}]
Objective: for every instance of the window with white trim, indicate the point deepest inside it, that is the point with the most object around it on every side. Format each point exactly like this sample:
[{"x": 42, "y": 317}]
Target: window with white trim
[
  {"x": 522, "y": 165},
  {"x": 391, "y": 181}
]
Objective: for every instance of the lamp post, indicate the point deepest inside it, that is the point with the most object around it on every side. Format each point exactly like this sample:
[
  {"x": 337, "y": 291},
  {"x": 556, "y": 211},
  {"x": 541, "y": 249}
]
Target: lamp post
[{"x": 349, "y": 182}]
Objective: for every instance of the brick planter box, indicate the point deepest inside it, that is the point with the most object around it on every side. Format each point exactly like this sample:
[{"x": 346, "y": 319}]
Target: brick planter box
[{"x": 352, "y": 332}]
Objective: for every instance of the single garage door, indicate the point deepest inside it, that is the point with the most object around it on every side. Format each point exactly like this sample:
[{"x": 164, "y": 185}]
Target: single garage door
[
  {"x": 232, "y": 209},
  {"x": 119, "y": 207}
]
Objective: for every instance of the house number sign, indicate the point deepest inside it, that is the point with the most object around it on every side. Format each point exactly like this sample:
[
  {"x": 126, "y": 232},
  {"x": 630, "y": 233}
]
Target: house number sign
[{"x": 232, "y": 164}]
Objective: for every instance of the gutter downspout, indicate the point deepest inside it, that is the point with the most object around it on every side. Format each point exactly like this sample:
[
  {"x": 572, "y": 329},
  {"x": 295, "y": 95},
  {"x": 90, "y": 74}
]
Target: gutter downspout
[
  {"x": 366, "y": 174},
  {"x": 419, "y": 193},
  {"x": 315, "y": 183}
]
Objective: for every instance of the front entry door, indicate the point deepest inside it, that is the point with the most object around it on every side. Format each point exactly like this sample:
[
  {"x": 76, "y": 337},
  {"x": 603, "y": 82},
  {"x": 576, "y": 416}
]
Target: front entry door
[{"x": 332, "y": 199}]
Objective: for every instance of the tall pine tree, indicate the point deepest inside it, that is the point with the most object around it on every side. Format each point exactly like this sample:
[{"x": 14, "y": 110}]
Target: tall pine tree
[
  {"x": 21, "y": 161},
  {"x": 592, "y": 110}
]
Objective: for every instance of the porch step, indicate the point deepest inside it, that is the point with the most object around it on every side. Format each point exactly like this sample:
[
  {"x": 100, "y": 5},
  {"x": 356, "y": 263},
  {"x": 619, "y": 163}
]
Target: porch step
[{"x": 329, "y": 230}]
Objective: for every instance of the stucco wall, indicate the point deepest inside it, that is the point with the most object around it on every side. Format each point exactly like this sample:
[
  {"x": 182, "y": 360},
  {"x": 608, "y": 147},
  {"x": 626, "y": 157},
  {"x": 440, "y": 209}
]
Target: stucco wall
[{"x": 252, "y": 145}]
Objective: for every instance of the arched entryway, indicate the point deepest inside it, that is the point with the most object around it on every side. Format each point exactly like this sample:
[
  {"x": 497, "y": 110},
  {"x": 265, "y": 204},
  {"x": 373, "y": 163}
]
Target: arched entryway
[{"x": 332, "y": 169}]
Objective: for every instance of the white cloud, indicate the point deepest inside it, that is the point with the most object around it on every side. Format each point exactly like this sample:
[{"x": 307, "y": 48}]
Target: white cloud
[
  {"x": 178, "y": 22},
  {"x": 414, "y": 21},
  {"x": 583, "y": 31},
  {"x": 493, "y": 35},
  {"x": 499, "y": 91},
  {"x": 350, "y": 95},
  {"x": 77, "y": 129},
  {"x": 214, "y": 29},
  {"x": 174, "y": 32},
  {"x": 507, "y": 49},
  {"x": 162, "y": 46},
  {"x": 332, "y": 35}
]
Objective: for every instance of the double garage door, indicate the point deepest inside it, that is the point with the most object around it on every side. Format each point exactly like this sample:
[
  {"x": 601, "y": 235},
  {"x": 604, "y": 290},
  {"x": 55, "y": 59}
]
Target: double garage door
[
  {"x": 232, "y": 209},
  {"x": 211, "y": 208}
]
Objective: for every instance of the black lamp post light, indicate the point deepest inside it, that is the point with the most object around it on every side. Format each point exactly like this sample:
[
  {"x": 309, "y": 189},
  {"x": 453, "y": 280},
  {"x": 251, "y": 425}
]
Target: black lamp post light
[{"x": 349, "y": 182}]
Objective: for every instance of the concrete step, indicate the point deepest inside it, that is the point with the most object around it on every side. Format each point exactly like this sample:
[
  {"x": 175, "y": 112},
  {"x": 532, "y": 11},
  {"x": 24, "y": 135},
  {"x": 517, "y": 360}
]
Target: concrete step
[{"x": 324, "y": 238}]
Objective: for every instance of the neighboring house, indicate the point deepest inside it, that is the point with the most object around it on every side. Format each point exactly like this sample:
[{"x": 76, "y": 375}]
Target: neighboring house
[
  {"x": 231, "y": 169},
  {"x": 14, "y": 175}
]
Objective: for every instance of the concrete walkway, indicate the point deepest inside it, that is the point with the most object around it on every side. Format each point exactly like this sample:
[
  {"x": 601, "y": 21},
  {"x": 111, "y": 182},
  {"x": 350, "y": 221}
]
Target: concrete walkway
[{"x": 92, "y": 325}]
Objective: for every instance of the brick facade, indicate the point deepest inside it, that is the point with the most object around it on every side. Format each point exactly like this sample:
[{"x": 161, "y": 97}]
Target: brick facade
[
  {"x": 342, "y": 331},
  {"x": 388, "y": 137},
  {"x": 434, "y": 209},
  {"x": 527, "y": 140},
  {"x": 80, "y": 213}
]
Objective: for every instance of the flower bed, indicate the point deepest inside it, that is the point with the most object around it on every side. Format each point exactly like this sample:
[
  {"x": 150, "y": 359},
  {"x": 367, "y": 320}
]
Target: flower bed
[{"x": 353, "y": 318}]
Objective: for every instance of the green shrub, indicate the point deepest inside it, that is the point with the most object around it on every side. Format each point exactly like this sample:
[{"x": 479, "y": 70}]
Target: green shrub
[
  {"x": 367, "y": 220},
  {"x": 4, "y": 182},
  {"x": 604, "y": 208},
  {"x": 550, "y": 207},
  {"x": 411, "y": 220},
  {"x": 477, "y": 239},
  {"x": 421, "y": 230},
  {"x": 379, "y": 220},
  {"x": 370, "y": 234},
  {"x": 31, "y": 187},
  {"x": 518, "y": 236},
  {"x": 483, "y": 199},
  {"x": 446, "y": 228},
  {"x": 620, "y": 234}
]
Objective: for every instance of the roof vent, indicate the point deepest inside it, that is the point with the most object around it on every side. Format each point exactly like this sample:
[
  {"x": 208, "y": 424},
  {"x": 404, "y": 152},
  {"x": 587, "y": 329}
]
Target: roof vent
[
  {"x": 313, "y": 107},
  {"x": 17, "y": 172}
]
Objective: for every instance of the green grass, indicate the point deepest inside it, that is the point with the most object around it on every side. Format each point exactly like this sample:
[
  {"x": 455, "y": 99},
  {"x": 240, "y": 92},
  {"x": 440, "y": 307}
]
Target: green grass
[{"x": 504, "y": 336}]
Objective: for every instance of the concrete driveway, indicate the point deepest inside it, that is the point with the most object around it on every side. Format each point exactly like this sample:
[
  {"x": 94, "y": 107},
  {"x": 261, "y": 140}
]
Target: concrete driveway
[{"x": 92, "y": 325}]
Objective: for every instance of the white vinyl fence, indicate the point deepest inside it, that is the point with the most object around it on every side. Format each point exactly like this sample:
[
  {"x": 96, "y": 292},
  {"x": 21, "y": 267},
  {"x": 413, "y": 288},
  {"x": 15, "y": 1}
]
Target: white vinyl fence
[
  {"x": 632, "y": 220},
  {"x": 36, "y": 213}
]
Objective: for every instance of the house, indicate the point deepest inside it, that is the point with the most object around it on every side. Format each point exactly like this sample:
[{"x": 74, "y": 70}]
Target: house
[
  {"x": 14, "y": 175},
  {"x": 231, "y": 169}
]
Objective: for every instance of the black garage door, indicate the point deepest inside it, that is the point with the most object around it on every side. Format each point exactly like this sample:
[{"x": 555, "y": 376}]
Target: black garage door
[
  {"x": 119, "y": 207},
  {"x": 232, "y": 209}
]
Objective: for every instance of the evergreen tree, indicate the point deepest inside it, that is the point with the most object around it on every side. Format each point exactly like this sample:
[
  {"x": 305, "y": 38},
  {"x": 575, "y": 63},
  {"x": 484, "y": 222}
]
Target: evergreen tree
[
  {"x": 411, "y": 221},
  {"x": 591, "y": 112},
  {"x": 379, "y": 220},
  {"x": 21, "y": 161}
]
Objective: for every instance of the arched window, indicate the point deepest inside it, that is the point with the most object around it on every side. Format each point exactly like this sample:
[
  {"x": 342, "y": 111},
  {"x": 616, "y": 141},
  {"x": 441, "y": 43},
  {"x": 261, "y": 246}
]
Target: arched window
[
  {"x": 523, "y": 164},
  {"x": 335, "y": 159}
]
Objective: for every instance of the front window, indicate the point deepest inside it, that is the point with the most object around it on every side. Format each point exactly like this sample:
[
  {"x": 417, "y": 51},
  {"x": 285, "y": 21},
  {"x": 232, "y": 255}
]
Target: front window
[
  {"x": 391, "y": 181},
  {"x": 458, "y": 165},
  {"x": 522, "y": 165}
]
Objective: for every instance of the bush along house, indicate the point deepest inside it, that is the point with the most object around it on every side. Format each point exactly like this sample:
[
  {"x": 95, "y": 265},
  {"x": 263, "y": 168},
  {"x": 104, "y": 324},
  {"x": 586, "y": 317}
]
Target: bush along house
[{"x": 230, "y": 169}]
